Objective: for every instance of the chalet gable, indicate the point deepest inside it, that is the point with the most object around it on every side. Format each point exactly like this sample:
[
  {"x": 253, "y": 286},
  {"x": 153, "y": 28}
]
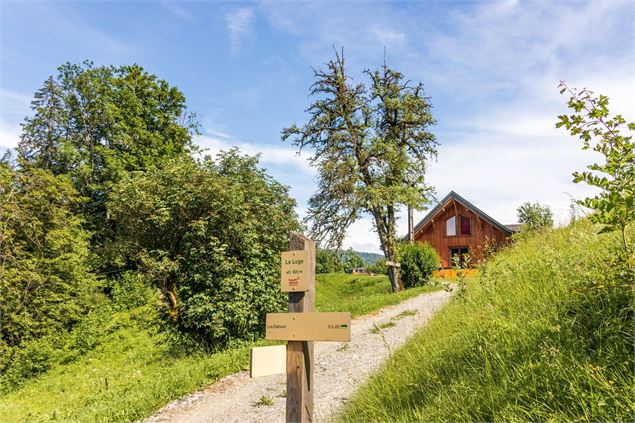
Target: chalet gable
[{"x": 441, "y": 207}]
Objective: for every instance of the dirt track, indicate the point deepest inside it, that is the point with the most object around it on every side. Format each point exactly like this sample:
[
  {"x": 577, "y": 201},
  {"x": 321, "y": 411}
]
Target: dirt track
[{"x": 340, "y": 368}]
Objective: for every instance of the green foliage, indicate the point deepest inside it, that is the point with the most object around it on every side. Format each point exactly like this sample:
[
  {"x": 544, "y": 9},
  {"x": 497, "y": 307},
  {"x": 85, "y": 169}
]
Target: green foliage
[
  {"x": 351, "y": 260},
  {"x": 96, "y": 124},
  {"x": 418, "y": 261},
  {"x": 208, "y": 235},
  {"x": 130, "y": 290},
  {"x": 45, "y": 278},
  {"x": 544, "y": 334},
  {"x": 591, "y": 122},
  {"x": 535, "y": 216},
  {"x": 378, "y": 268},
  {"x": 327, "y": 261},
  {"x": 371, "y": 144}
]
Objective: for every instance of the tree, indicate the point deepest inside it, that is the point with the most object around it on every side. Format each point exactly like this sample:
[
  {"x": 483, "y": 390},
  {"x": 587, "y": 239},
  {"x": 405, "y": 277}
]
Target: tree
[
  {"x": 613, "y": 206},
  {"x": 96, "y": 124},
  {"x": 45, "y": 277},
  {"x": 535, "y": 216},
  {"x": 208, "y": 235},
  {"x": 327, "y": 261},
  {"x": 371, "y": 147},
  {"x": 351, "y": 260}
]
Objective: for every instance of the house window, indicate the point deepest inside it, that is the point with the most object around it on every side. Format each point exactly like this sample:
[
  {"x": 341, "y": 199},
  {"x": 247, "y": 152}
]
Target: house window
[
  {"x": 460, "y": 253},
  {"x": 450, "y": 226},
  {"x": 465, "y": 225}
]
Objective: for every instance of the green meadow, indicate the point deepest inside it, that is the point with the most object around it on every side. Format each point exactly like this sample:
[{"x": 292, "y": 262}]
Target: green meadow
[{"x": 545, "y": 333}]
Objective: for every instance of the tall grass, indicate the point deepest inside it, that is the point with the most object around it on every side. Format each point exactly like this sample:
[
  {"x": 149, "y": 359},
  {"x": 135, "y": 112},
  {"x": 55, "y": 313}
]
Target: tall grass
[
  {"x": 545, "y": 333},
  {"x": 133, "y": 370}
]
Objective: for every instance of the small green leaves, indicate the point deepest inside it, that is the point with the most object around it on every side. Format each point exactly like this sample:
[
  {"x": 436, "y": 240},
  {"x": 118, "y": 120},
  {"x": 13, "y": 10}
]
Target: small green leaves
[{"x": 613, "y": 205}]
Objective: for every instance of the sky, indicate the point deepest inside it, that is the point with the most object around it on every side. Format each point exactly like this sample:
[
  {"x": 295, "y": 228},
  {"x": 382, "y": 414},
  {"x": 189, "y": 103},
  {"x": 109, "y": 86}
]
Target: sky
[{"x": 491, "y": 70}]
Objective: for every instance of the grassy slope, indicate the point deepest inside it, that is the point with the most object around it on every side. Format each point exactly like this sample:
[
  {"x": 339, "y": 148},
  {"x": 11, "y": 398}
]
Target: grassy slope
[
  {"x": 545, "y": 334},
  {"x": 130, "y": 374}
]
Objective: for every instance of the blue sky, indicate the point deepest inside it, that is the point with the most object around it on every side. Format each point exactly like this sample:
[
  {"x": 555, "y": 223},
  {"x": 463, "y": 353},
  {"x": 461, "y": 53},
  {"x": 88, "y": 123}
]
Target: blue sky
[{"x": 491, "y": 69}]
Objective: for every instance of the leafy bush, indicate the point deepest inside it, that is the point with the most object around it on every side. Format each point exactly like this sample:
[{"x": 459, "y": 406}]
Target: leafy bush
[
  {"x": 418, "y": 261},
  {"x": 208, "y": 235}
]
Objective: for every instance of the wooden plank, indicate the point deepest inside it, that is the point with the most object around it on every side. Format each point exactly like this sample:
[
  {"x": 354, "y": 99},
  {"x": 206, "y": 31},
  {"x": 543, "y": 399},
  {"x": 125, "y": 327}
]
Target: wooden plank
[
  {"x": 300, "y": 353},
  {"x": 392, "y": 264},
  {"x": 265, "y": 361},
  {"x": 309, "y": 326},
  {"x": 294, "y": 271}
]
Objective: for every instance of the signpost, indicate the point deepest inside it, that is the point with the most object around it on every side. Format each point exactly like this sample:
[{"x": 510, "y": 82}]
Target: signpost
[
  {"x": 309, "y": 326},
  {"x": 299, "y": 327}
]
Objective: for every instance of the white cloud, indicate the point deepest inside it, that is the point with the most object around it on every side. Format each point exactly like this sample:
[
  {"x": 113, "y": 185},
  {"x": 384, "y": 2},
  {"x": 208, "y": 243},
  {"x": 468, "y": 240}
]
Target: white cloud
[
  {"x": 390, "y": 38},
  {"x": 9, "y": 135},
  {"x": 270, "y": 155},
  {"x": 177, "y": 10},
  {"x": 239, "y": 24}
]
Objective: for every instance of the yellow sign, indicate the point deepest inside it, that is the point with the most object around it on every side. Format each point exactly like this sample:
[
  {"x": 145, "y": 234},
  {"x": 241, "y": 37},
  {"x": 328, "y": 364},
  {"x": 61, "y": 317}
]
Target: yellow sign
[
  {"x": 295, "y": 271},
  {"x": 265, "y": 361},
  {"x": 309, "y": 326}
]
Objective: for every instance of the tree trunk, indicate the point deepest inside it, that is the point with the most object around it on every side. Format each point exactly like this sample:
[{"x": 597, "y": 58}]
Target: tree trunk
[{"x": 388, "y": 245}]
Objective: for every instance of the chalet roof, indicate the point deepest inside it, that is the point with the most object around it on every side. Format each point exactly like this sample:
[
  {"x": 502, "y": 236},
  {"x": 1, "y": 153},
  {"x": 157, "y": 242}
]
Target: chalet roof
[{"x": 456, "y": 197}]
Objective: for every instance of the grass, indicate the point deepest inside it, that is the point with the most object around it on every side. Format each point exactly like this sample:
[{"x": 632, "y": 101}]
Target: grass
[
  {"x": 385, "y": 325},
  {"x": 360, "y": 294},
  {"x": 545, "y": 333},
  {"x": 132, "y": 372}
]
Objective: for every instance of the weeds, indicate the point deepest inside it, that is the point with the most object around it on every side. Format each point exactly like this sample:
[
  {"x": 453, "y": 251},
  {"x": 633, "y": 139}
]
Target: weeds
[{"x": 264, "y": 400}]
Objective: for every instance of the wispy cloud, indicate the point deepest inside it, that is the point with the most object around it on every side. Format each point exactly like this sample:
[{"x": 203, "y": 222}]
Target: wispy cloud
[
  {"x": 388, "y": 37},
  {"x": 240, "y": 25},
  {"x": 177, "y": 9}
]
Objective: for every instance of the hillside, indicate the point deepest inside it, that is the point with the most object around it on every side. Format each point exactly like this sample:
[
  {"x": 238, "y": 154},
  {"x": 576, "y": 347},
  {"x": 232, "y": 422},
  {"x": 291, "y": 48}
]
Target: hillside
[
  {"x": 369, "y": 258},
  {"x": 132, "y": 369},
  {"x": 544, "y": 334}
]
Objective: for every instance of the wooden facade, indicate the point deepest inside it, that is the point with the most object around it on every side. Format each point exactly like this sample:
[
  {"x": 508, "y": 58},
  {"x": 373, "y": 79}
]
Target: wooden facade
[{"x": 455, "y": 227}]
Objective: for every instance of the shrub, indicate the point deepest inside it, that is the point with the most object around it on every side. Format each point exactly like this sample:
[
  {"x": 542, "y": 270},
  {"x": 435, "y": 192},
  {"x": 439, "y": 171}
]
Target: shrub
[
  {"x": 208, "y": 235},
  {"x": 418, "y": 261}
]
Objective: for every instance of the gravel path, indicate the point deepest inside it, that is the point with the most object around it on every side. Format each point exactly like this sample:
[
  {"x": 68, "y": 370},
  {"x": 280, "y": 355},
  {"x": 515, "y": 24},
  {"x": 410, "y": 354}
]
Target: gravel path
[{"x": 340, "y": 368}]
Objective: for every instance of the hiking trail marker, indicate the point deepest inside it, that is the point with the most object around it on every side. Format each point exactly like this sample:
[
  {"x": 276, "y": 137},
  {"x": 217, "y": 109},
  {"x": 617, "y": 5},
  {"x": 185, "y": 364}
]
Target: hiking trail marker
[{"x": 299, "y": 327}]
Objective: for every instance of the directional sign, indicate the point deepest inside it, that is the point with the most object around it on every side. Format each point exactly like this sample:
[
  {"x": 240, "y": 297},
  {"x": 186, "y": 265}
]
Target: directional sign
[
  {"x": 295, "y": 271},
  {"x": 309, "y": 326},
  {"x": 265, "y": 361}
]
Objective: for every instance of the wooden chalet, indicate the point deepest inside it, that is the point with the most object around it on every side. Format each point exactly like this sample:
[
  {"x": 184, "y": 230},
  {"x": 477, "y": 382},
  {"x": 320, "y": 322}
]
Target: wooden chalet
[{"x": 457, "y": 227}]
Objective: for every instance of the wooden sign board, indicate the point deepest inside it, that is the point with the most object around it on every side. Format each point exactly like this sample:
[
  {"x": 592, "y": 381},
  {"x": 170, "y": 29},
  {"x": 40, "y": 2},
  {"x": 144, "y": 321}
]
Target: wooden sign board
[
  {"x": 265, "y": 361},
  {"x": 392, "y": 264},
  {"x": 294, "y": 276},
  {"x": 309, "y": 326}
]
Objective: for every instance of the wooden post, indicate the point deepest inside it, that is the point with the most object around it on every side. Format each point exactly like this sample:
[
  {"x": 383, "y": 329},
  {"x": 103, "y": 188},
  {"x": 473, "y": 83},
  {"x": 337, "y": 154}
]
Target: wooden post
[
  {"x": 300, "y": 353},
  {"x": 411, "y": 233}
]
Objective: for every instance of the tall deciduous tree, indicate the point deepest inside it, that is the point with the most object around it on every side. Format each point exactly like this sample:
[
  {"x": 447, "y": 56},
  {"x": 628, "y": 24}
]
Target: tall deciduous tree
[
  {"x": 96, "y": 124},
  {"x": 209, "y": 236},
  {"x": 535, "y": 216},
  {"x": 372, "y": 144},
  {"x": 613, "y": 206}
]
